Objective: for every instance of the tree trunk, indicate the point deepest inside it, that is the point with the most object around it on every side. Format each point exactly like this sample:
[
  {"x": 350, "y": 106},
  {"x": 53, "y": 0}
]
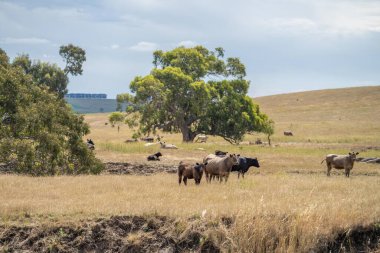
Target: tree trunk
[
  {"x": 269, "y": 140},
  {"x": 187, "y": 134}
]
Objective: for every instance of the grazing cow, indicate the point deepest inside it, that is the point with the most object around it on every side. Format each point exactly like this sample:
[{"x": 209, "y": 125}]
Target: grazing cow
[
  {"x": 220, "y": 153},
  {"x": 90, "y": 144},
  {"x": 244, "y": 164},
  {"x": 219, "y": 166},
  {"x": 168, "y": 146},
  {"x": 155, "y": 157},
  {"x": 288, "y": 133},
  {"x": 187, "y": 171},
  {"x": 201, "y": 138},
  {"x": 339, "y": 162}
]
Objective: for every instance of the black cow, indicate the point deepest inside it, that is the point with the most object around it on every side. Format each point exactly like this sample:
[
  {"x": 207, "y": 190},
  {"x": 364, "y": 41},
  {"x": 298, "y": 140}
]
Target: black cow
[
  {"x": 155, "y": 157},
  {"x": 220, "y": 153},
  {"x": 244, "y": 164}
]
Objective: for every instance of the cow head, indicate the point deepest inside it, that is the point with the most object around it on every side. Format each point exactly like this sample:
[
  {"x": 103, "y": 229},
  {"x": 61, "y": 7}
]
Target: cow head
[
  {"x": 235, "y": 159},
  {"x": 253, "y": 162},
  {"x": 158, "y": 154},
  {"x": 353, "y": 155},
  {"x": 199, "y": 172}
]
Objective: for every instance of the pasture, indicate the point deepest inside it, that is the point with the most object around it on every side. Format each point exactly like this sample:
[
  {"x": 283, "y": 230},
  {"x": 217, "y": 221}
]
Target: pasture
[{"x": 286, "y": 205}]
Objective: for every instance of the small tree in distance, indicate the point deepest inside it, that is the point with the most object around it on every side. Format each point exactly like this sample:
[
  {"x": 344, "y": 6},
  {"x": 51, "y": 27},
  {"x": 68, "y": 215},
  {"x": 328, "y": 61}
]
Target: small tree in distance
[
  {"x": 116, "y": 118},
  {"x": 268, "y": 129}
]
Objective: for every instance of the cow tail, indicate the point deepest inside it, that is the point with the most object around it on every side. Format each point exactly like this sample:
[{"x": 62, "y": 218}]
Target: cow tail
[{"x": 323, "y": 160}]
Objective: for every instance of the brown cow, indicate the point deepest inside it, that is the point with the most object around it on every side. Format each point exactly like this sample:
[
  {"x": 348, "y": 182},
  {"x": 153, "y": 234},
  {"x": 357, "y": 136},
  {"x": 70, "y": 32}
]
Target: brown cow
[
  {"x": 219, "y": 166},
  {"x": 187, "y": 171},
  {"x": 339, "y": 162}
]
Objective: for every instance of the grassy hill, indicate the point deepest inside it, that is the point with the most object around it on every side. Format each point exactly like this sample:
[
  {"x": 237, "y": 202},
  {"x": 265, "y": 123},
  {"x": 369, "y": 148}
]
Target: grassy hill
[{"x": 348, "y": 115}]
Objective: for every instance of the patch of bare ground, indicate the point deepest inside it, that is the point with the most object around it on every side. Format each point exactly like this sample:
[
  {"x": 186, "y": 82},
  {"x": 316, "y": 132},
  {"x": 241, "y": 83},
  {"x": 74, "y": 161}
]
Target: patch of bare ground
[
  {"x": 161, "y": 234},
  {"x": 138, "y": 168},
  {"x": 115, "y": 234}
]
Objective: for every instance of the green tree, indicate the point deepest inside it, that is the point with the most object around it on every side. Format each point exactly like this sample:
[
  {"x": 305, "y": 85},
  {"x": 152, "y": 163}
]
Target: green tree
[
  {"x": 44, "y": 74},
  {"x": 74, "y": 57},
  {"x": 116, "y": 118},
  {"x": 39, "y": 133},
  {"x": 268, "y": 129},
  {"x": 193, "y": 91}
]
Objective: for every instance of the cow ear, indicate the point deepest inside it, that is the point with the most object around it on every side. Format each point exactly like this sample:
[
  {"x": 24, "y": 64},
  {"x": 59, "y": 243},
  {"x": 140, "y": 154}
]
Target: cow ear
[
  {"x": 357, "y": 153},
  {"x": 238, "y": 154},
  {"x": 197, "y": 163},
  {"x": 349, "y": 153},
  {"x": 205, "y": 163},
  {"x": 230, "y": 155}
]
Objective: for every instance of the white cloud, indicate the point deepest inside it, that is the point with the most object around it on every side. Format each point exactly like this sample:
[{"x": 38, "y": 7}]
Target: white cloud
[
  {"x": 32, "y": 40},
  {"x": 188, "y": 43},
  {"x": 115, "y": 46},
  {"x": 144, "y": 46}
]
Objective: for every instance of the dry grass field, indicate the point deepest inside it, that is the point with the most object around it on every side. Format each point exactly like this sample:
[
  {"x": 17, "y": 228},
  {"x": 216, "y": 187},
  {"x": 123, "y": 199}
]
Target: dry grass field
[{"x": 287, "y": 205}]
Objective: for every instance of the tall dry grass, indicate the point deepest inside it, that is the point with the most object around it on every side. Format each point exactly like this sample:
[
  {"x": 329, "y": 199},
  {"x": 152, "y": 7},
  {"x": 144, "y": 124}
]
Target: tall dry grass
[{"x": 273, "y": 211}]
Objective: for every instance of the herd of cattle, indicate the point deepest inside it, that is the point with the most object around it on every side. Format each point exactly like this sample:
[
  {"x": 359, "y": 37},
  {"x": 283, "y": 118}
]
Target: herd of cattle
[{"x": 220, "y": 164}]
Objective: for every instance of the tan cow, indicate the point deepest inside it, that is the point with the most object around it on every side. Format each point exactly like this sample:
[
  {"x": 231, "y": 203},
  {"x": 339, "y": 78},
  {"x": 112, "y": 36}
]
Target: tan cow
[
  {"x": 339, "y": 162},
  {"x": 219, "y": 166}
]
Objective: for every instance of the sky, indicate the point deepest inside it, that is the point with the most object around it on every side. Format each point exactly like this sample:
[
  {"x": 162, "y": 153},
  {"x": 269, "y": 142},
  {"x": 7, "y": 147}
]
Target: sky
[{"x": 286, "y": 45}]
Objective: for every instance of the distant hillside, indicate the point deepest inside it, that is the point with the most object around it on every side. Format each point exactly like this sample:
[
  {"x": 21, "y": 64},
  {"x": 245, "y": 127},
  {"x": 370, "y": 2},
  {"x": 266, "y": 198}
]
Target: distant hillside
[
  {"x": 335, "y": 115},
  {"x": 92, "y": 105}
]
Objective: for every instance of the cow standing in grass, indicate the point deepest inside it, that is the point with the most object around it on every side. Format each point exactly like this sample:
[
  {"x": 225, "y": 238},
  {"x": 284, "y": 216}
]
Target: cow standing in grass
[
  {"x": 187, "y": 171},
  {"x": 339, "y": 162},
  {"x": 219, "y": 166},
  {"x": 244, "y": 164}
]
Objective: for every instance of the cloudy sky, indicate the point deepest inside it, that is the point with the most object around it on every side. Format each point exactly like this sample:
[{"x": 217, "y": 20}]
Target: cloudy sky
[{"x": 286, "y": 45}]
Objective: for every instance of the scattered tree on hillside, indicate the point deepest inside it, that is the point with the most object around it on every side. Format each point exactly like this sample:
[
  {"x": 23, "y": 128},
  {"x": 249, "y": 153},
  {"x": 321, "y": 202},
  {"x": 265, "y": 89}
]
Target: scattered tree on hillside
[
  {"x": 268, "y": 129},
  {"x": 116, "y": 118},
  {"x": 39, "y": 133},
  {"x": 194, "y": 91},
  {"x": 74, "y": 57}
]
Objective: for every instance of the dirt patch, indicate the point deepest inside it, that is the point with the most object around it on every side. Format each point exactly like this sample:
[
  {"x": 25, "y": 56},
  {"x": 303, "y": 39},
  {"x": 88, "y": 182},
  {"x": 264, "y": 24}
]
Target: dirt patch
[
  {"x": 139, "y": 169},
  {"x": 116, "y": 234},
  {"x": 157, "y": 234},
  {"x": 358, "y": 239}
]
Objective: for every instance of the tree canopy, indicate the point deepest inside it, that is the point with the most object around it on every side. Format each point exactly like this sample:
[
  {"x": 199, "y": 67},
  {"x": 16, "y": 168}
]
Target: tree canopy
[
  {"x": 193, "y": 91},
  {"x": 74, "y": 57},
  {"x": 39, "y": 133}
]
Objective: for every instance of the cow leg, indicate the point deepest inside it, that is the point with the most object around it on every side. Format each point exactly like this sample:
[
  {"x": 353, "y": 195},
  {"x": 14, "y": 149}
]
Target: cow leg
[
  {"x": 328, "y": 169},
  {"x": 179, "y": 179},
  {"x": 242, "y": 174},
  {"x": 185, "y": 180},
  {"x": 238, "y": 174},
  {"x": 347, "y": 172},
  {"x": 226, "y": 178}
]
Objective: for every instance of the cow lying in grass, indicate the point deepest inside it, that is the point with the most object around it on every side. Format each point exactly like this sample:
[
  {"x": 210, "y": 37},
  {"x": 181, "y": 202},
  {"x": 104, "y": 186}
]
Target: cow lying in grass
[
  {"x": 155, "y": 157},
  {"x": 339, "y": 162},
  {"x": 187, "y": 171},
  {"x": 220, "y": 153},
  {"x": 168, "y": 146},
  {"x": 244, "y": 164}
]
